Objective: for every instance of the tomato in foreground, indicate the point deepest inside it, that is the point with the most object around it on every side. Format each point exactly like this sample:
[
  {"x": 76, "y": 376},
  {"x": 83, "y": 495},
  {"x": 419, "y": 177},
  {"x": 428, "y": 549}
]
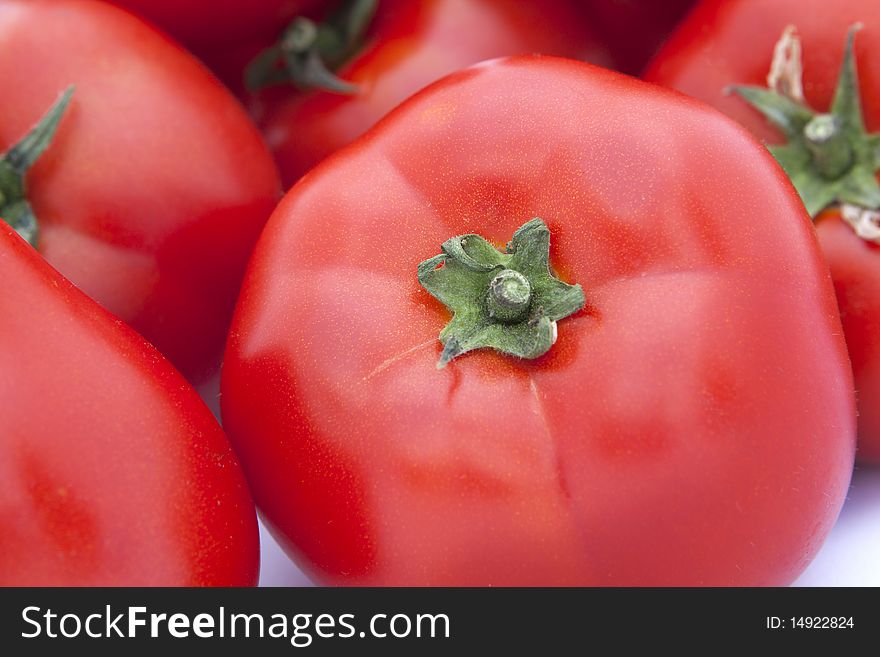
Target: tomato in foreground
[
  {"x": 406, "y": 46},
  {"x": 693, "y": 422},
  {"x": 112, "y": 470},
  {"x": 709, "y": 54},
  {"x": 155, "y": 185}
]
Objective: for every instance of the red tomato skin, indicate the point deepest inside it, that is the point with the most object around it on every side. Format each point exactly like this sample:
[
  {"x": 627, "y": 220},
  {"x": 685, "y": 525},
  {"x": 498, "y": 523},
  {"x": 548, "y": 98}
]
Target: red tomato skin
[
  {"x": 693, "y": 425},
  {"x": 201, "y": 24},
  {"x": 408, "y": 46},
  {"x": 113, "y": 472},
  {"x": 724, "y": 42},
  {"x": 156, "y": 185},
  {"x": 707, "y": 54},
  {"x": 635, "y": 29}
]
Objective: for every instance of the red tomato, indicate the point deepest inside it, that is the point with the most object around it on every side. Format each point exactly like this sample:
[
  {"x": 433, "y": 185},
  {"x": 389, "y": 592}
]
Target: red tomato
[
  {"x": 694, "y": 424},
  {"x": 156, "y": 185},
  {"x": 112, "y": 470},
  {"x": 202, "y": 24},
  {"x": 408, "y": 45},
  {"x": 635, "y": 29},
  {"x": 709, "y": 53}
]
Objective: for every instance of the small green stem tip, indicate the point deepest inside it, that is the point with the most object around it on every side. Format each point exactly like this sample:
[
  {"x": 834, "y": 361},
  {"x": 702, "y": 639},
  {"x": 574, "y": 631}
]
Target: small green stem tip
[
  {"x": 832, "y": 153},
  {"x": 308, "y": 53},
  {"x": 506, "y": 301},
  {"x": 14, "y": 165}
]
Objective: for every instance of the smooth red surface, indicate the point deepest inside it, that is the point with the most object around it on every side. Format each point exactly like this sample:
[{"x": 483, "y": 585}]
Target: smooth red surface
[
  {"x": 408, "y": 46},
  {"x": 212, "y": 23},
  {"x": 112, "y": 470},
  {"x": 731, "y": 42},
  {"x": 156, "y": 185},
  {"x": 634, "y": 29},
  {"x": 693, "y": 425}
]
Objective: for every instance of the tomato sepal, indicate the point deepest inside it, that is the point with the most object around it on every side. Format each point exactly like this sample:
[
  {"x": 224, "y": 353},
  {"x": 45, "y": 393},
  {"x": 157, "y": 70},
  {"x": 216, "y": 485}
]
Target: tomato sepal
[
  {"x": 506, "y": 301},
  {"x": 830, "y": 157}
]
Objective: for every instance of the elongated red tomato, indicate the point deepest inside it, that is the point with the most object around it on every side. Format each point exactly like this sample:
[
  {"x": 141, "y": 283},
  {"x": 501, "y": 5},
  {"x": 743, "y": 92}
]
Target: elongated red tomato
[
  {"x": 733, "y": 42},
  {"x": 407, "y": 46},
  {"x": 155, "y": 186},
  {"x": 692, "y": 424},
  {"x": 112, "y": 470}
]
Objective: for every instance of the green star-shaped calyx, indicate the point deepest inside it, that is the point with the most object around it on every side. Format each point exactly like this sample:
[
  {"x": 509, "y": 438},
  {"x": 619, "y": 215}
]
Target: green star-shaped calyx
[
  {"x": 507, "y": 301},
  {"x": 14, "y": 164},
  {"x": 830, "y": 157}
]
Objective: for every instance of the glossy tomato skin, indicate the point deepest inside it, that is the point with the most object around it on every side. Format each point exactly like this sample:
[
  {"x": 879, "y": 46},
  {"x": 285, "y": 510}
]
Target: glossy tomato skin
[
  {"x": 112, "y": 470},
  {"x": 207, "y": 24},
  {"x": 156, "y": 185},
  {"x": 693, "y": 425},
  {"x": 708, "y": 53},
  {"x": 409, "y": 45},
  {"x": 635, "y": 29}
]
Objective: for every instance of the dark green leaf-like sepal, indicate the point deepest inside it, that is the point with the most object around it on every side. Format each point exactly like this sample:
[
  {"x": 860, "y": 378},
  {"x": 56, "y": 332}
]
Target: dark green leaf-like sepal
[
  {"x": 309, "y": 52},
  {"x": 830, "y": 158},
  {"x": 507, "y": 301},
  {"x": 14, "y": 164},
  {"x": 790, "y": 116}
]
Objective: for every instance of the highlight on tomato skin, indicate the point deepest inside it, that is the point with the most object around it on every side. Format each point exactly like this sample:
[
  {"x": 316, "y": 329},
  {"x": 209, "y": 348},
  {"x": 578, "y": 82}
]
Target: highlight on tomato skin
[
  {"x": 692, "y": 424},
  {"x": 112, "y": 471},
  {"x": 155, "y": 185},
  {"x": 706, "y": 56}
]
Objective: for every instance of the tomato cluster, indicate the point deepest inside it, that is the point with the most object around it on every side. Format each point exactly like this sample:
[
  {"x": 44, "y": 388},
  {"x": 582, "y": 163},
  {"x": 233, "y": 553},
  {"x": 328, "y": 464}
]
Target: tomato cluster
[{"x": 519, "y": 319}]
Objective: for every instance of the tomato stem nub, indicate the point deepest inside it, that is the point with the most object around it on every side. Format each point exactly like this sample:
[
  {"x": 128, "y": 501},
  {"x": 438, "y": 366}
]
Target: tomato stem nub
[
  {"x": 827, "y": 141},
  {"x": 508, "y": 297},
  {"x": 830, "y": 157},
  {"x": 309, "y": 52},
  {"x": 506, "y": 301},
  {"x": 15, "y": 163}
]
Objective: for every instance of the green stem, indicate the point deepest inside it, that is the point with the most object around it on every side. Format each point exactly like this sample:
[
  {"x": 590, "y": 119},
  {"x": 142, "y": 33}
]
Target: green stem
[
  {"x": 828, "y": 143},
  {"x": 508, "y": 297},
  {"x": 15, "y": 163},
  {"x": 309, "y": 52}
]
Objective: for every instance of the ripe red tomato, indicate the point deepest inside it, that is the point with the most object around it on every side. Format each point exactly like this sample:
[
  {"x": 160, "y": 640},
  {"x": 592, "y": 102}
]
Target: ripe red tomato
[
  {"x": 708, "y": 54},
  {"x": 112, "y": 470},
  {"x": 200, "y": 24},
  {"x": 156, "y": 185},
  {"x": 694, "y": 424},
  {"x": 408, "y": 45},
  {"x": 635, "y": 29}
]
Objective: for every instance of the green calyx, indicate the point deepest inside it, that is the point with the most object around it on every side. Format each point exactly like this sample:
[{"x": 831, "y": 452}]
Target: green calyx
[
  {"x": 14, "y": 164},
  {"x": 830, "y": 157},
  {"x": 507, "y": 301},
  {"x": 309, "y": 52}
]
